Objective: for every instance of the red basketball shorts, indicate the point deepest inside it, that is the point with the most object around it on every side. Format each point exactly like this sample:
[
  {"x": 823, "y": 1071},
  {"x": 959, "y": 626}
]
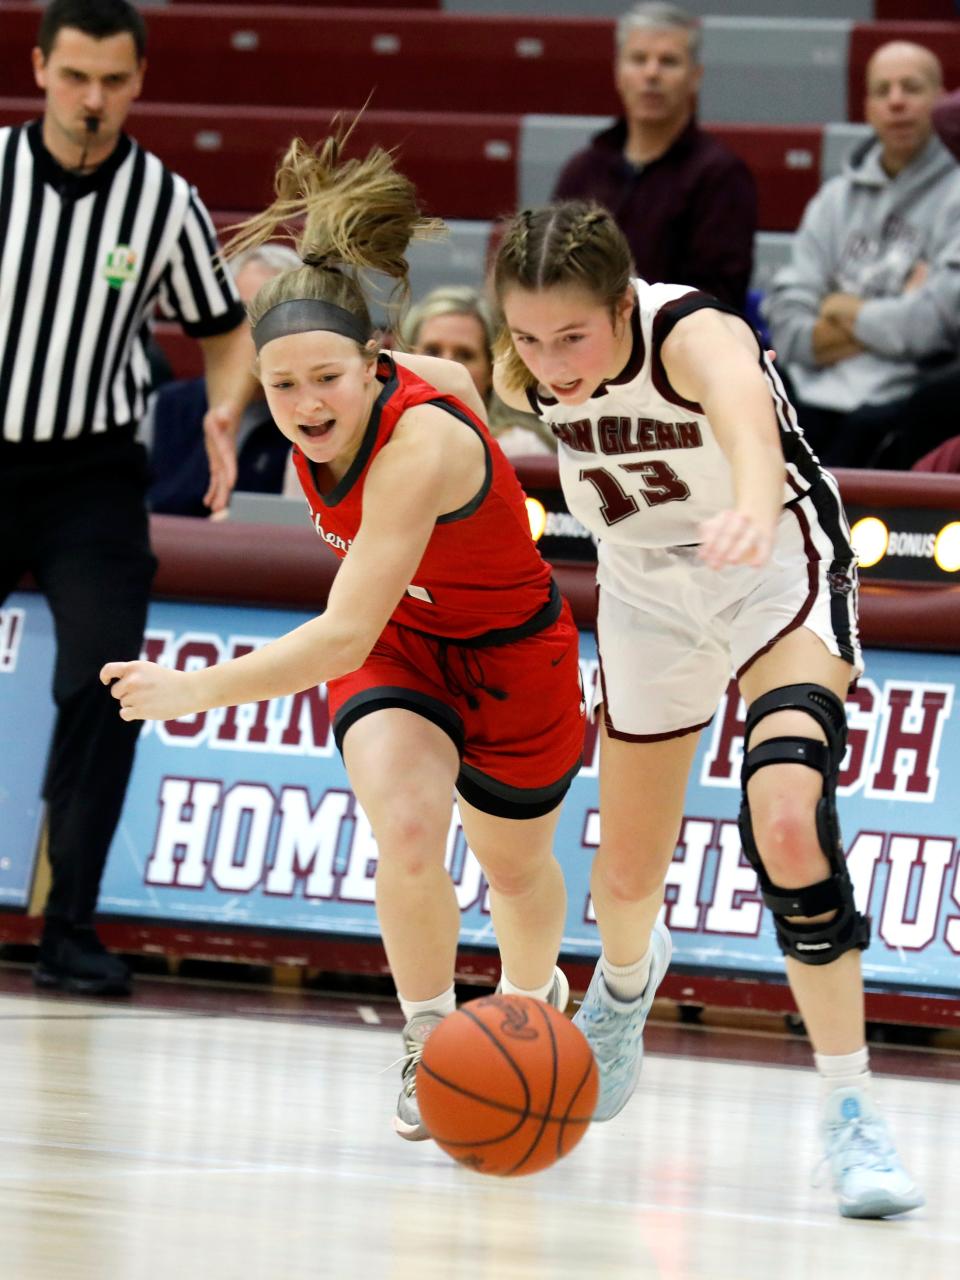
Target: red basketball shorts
[{"x": 514, "y": 711}]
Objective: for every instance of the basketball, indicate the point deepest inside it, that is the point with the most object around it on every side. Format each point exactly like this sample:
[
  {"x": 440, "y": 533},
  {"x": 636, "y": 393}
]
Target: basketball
[{"x": 507, "y": 1085}]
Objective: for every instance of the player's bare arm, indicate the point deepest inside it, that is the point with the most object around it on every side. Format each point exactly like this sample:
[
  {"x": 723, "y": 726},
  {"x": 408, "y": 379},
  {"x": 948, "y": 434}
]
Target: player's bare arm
[
  {"x": 447, "y": 376},
  {"x": 712, "y": 358},
  {"x": 424, "y": 472}
]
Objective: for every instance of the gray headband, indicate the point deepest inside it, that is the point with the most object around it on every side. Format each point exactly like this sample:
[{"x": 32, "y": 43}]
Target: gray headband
[{"x": 306, "y": 315}]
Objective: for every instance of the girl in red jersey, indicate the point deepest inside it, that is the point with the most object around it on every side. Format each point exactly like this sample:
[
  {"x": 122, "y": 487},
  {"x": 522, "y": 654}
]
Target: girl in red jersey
[{"x": 449, "y": 656}]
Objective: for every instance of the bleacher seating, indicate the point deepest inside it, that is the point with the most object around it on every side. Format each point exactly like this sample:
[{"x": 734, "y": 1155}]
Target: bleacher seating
[
  {"x": 328, "y": 4},
  {"x": 775, "y": 71},
  {"x": 794, "y": 70},
  {"x": 485, "y": 101},
  {"x": 916, "y": 10},
  {"x": 786, "y": 165},
  {"x": 797, "y": 70},
  {"x": 860, "y": 9},
  {"x": 409, "y": 61},
  {"x": 464, "y": 166}
]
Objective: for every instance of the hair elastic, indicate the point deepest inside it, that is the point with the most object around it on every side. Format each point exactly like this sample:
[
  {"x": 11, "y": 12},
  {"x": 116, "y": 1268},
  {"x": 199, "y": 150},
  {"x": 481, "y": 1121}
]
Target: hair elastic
[{"x": 306, "y": 315}]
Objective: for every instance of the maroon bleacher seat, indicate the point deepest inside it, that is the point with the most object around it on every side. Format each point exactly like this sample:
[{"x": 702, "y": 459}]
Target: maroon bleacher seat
[
  {"x": 915, "y": 10},
  {"x": 409, "y": 61},
  {"x": 184, "y": 354},
  {"x": 942, "y": 37},
  {"x": 265, "y": 5},
  {"x": 784, "y": 161},
  {"x": 463, "y": 166}
]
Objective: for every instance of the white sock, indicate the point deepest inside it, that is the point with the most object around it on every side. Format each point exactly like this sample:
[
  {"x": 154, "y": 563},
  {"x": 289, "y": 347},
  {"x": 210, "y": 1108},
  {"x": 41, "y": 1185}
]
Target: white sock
[
  {"x": 626, "y": 981},
  {"x": 844, "y": 1070},
  {"x": 536, "y": 993},
  {"x": 444, "y": 1003}
]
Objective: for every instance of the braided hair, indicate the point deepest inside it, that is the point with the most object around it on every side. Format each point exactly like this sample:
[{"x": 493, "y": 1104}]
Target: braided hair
[{"x": 573, "y": 243}]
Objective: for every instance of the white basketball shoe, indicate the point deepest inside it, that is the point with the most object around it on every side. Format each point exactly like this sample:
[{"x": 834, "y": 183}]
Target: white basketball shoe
[
  {"x": 868, "y": 1177},
  {"x": 406, "y": 1121}
]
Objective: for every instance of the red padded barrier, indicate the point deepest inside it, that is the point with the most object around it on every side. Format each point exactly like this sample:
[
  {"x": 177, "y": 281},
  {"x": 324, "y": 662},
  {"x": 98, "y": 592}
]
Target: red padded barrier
[
  {"x": 215, "y": 560},
  {"x": 900, "y": 489},
  {"x": 463, "y": 166},
  {"x": 941, "y": 37},
  {"x": 286, "y": 56},
  {"x": 273, "y": 565}
]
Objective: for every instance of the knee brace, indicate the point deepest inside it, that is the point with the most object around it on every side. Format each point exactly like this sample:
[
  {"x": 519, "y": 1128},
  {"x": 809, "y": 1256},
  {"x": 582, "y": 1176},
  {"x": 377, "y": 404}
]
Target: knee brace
[{"x": 848, "y": 930}]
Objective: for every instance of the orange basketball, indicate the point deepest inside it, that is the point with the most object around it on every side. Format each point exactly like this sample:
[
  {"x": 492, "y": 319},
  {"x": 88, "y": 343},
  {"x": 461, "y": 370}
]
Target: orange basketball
[{"x": 507, "y": 1085}]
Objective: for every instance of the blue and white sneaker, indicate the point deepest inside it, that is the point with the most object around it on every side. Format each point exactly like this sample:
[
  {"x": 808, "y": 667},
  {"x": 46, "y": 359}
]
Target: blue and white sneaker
[
  {"x": 868, "y": 1178},
  {"x": 614, "y": 1028}
]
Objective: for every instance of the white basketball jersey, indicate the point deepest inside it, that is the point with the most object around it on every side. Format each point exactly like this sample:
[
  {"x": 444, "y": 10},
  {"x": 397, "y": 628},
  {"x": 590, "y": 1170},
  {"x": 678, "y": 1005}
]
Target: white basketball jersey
[{"x": 640, "y": 466}]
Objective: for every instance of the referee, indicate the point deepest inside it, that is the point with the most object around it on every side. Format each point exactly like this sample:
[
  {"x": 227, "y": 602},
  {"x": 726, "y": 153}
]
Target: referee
[{"x": 95, "y": 234}]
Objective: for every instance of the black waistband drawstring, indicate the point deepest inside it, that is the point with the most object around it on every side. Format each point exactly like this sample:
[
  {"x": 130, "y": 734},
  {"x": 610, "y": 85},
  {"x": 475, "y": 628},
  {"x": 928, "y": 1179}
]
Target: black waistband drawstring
[
  {"x": 465, "y": 677},
  {"x": 470, "y": 679}
]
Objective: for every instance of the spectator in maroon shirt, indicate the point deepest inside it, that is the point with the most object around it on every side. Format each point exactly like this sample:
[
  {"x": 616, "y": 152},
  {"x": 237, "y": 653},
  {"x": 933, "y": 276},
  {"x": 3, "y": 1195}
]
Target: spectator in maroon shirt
[{"x": 686, "y": 204}]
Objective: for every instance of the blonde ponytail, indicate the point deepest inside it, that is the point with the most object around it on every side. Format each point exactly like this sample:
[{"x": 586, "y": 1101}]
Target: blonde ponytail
[{"x": 358, "y": 214}]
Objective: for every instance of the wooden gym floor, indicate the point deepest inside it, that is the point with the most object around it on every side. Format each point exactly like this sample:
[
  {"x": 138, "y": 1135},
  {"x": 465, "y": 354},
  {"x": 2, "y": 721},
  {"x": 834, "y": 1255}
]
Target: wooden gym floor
[{"x": 218, "y": 1134}]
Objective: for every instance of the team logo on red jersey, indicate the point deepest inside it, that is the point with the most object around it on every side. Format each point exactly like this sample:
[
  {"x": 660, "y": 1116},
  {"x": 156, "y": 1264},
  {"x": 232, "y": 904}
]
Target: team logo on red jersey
[{"x": 331, "y": 539}]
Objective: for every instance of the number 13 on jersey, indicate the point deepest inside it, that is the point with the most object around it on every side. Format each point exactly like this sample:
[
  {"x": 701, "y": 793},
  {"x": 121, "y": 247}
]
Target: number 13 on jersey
[{"x": 659, "y": 484}]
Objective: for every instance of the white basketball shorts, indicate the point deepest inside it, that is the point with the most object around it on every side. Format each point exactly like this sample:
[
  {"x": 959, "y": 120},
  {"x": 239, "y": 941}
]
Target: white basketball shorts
[{"x": 671, "y": 631}]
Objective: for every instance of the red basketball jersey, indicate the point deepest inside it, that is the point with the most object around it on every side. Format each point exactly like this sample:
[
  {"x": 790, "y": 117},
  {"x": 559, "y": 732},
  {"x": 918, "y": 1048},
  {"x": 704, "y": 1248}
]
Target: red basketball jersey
[{"x": 481, "y": 570}]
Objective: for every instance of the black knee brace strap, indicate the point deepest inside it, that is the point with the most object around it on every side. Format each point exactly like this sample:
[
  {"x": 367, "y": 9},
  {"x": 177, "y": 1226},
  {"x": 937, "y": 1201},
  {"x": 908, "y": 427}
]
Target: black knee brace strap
[{"x": 810, "y": 943}]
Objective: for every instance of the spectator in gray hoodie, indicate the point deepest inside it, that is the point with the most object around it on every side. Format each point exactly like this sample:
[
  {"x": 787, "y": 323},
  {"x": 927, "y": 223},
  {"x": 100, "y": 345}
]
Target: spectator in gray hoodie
[
  {"x": 867, "y": 315},
  {"x": 946, "y": 121}
]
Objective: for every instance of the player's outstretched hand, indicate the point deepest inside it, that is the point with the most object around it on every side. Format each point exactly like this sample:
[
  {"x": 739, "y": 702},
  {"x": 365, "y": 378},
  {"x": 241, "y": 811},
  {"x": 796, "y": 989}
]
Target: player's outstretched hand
[
  {"x": 732, "y": 537},
  {"x": 146, "y": 691}
]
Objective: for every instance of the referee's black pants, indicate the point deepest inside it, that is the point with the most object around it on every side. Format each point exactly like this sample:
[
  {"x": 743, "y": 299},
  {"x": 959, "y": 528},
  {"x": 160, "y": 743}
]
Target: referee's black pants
[{"x": 76, "y": 519}]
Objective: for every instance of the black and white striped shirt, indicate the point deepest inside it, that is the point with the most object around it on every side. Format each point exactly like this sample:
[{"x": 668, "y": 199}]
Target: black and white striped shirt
[{"x": 85, "y": 261}]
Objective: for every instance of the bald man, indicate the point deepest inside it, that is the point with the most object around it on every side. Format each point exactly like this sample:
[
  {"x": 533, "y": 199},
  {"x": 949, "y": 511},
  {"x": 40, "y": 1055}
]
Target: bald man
[{"x": 867, "y": 315}]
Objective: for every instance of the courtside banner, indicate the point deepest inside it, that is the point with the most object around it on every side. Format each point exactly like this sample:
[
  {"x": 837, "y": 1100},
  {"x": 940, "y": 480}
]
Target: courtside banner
[
  {"x": 245, "y": 817},
  {"x": 26, "y": 723}
]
